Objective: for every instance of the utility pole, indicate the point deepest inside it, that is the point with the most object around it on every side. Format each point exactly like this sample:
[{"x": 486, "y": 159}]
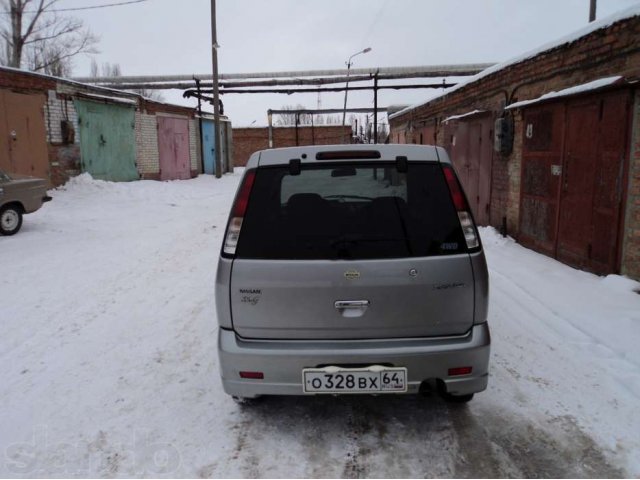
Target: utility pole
[
  {"x": 197, "y": 80},
  {"x": 592, "y": 10},
  {"x": 216, "y": 93},
  {"x": 375, "y": 108},
  {"x": 346, "y": 90}
]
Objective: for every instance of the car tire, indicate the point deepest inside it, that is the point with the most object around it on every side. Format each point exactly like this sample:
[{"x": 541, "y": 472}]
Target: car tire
[
  {"x": 457, "y": 398},
  {"x": 10, "y": 219}
]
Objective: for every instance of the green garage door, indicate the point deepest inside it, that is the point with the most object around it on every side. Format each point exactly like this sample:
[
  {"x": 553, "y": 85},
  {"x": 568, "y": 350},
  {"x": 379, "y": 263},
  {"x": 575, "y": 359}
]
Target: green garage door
[{"x": 107, "y": 140}]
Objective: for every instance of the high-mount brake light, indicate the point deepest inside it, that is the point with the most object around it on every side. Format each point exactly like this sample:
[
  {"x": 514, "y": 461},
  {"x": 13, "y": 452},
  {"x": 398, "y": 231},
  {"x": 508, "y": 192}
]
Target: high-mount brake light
[
  {"x": 464, "y": 212},
  {"x": 237, "y": 213}
]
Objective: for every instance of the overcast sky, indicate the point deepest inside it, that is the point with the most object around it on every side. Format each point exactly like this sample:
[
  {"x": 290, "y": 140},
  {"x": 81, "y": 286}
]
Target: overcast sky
[{"x": 173, "y": 37}]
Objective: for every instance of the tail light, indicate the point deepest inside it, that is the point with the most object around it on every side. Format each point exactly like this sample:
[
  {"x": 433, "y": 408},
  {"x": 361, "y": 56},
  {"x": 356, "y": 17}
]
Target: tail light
[
  {"x": 462, "y": 207},
  {"x": 237, "y": 213}
]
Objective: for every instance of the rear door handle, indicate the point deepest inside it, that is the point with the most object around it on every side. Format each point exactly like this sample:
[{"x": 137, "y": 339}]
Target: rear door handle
[
  {"x": 351, "y": 304},
  {"x": 351, "y": 308}
]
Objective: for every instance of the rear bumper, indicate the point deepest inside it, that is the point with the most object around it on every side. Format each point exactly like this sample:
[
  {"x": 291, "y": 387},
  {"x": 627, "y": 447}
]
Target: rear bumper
[{"x": 282, "y": 361}]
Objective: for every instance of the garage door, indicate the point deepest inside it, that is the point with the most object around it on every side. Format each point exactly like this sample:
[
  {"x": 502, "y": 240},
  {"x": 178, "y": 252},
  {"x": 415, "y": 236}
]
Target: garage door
[
  {"x": 107, "y": 140},
  {"x": 23, "y": 138},
  {"x": 573, "y": 165},
  {"x": 469, "y": 143},
  {"x": 173, "y": 145}
]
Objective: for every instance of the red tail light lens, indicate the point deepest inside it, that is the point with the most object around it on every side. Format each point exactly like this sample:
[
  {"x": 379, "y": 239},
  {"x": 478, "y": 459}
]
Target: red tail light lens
[
  {"x": 453, "y": 372},
  {"x": 237, "y": 213},
  {"x": 464, "y": 212},
  {"x": 454, "y": 187},
  {"x": 242, "y": 200},
  {"x": 252, "y": 375}
]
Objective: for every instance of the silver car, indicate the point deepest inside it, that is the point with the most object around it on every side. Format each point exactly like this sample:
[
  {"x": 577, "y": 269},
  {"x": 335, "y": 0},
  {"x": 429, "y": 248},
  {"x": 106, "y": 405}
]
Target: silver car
[{"x": 352, "y": 270}]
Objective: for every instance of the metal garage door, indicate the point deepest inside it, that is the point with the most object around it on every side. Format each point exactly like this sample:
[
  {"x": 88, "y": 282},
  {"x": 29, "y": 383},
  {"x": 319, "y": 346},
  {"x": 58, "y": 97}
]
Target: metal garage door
[
  {"x": 173, "y": 146},
  {"x": 23, "y": 138},
  {"x": 208, "y": 146},
  {"x": 107, "y": 140},
  {"x": 592, "y": 177},
  {"x": 572, "y": 179},
  {"x": 469, "y": 143}
]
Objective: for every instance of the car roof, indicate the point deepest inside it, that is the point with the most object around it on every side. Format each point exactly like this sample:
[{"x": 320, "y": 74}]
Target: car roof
[{"x": 307, "y": 154}]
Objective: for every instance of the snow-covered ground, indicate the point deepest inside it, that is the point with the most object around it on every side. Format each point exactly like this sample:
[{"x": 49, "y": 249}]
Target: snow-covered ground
[{"x": 109, "y": 365}]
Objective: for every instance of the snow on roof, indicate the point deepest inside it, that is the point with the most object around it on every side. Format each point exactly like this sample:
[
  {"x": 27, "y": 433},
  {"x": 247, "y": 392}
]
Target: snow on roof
[
  {"x": 462, "y": 115},
  {"x": 129, "y": 95},
  {"x": 624, "y": 14},
  {"x": 91, "y": 96},
  {"x": 585, "y": 87}
]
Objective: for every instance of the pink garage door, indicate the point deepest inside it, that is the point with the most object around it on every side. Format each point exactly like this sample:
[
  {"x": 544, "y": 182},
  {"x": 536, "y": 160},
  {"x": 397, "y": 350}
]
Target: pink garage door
[{"x": 173, "y": 146}]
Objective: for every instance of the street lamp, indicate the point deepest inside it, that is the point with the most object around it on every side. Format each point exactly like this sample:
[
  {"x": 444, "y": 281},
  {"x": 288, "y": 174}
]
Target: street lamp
[{"x": 346, "y": 91}]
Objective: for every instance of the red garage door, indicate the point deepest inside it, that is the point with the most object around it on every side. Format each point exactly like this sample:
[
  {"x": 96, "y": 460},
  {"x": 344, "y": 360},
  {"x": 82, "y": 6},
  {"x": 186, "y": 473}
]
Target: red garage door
[
  {"x": 573, "y": 165},
  {"x": 173, "y": 146},
  {"x": 469, "y": 143},
  {"x": 592, "y": 183}
]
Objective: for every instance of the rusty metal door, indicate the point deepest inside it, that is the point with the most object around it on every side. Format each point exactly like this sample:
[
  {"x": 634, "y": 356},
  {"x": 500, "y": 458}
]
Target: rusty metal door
[
  {"x": 469, "y": 145},
  {"x": 579, "y": 171},
  {"x": 427, "y": 135},
  {"x": 173, "y": 146},
  {"x": 591, "y": 191},
  {"x": 23, "y": 148},
  {"x": 542, "y": 137}
]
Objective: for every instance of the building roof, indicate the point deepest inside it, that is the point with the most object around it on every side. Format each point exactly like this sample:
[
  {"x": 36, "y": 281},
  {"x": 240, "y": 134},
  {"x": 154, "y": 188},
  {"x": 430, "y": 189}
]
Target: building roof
[
  {"x": 624, "y": 14},
  {"x": 106, "y": 94},
  {"x": 565, "y": 92}
]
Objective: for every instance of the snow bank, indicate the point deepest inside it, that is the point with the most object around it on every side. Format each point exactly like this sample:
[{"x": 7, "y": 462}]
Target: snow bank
[{"x": 572, "y": 337}]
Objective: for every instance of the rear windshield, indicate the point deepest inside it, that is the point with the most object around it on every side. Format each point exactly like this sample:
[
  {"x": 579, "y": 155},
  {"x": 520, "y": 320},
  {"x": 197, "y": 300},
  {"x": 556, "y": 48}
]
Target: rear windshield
[{"x": 350, "y": 211}]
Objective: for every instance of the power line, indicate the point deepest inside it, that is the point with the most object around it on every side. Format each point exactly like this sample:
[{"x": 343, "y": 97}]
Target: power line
[{"x": 106, "y": 5}]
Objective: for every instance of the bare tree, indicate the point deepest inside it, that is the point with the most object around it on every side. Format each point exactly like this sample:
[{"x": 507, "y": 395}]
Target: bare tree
[
  {"x": 114, "y": 70},
  {"x": 36, "y": 37}
]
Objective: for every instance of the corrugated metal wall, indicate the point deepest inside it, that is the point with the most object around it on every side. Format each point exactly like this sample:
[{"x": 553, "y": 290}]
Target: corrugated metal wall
[{"x": 107, "y": 140}]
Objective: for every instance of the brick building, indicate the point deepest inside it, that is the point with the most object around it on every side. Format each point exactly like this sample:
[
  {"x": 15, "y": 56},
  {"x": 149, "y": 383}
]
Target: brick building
[
  {"x": 115, "y": 138},
  {"x": 547, "y": 144},
  {"x": 250, "y": 139}
]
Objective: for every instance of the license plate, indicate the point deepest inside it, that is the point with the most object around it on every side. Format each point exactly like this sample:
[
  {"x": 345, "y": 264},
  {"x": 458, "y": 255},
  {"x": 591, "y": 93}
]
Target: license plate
[{"x": 374, "y": 379}]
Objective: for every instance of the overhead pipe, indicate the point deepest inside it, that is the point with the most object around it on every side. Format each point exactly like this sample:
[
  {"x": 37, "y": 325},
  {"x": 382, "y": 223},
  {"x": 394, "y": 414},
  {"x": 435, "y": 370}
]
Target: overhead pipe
[
  {"x": 261, "y": 83},
  {"x": 431, "y": 70}
]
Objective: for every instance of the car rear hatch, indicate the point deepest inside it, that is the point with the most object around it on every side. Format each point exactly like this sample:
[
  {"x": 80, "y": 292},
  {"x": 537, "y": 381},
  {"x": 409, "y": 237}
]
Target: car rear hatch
[{"x": 349, "y": 250}]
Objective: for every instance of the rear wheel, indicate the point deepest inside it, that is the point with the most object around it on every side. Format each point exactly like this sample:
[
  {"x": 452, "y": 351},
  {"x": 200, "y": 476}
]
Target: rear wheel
[{"x": 10, "y": 219}]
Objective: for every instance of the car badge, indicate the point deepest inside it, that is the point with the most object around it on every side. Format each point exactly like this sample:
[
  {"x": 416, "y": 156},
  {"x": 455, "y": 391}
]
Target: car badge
[{"x": 351, "y": 274}]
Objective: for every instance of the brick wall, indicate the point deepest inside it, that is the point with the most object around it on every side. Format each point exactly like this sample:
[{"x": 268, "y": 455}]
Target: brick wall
[
  {"x": 194, "y": 151},
  {"x": 26, "y": 82},
  {"x": 631, "y": 235},
  {"x": 57, "y": 109},
  {"x": 147, "y": 156},
  {"x": 612, "y": 50},
  {"x": 64, "y": 162},
  {"x": 58, "y": 95},
  {"x": 249, "y": 140}
]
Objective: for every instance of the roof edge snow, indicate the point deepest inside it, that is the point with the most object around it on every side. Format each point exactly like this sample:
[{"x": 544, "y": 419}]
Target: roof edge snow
[{"x": 605, "y": 22}]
